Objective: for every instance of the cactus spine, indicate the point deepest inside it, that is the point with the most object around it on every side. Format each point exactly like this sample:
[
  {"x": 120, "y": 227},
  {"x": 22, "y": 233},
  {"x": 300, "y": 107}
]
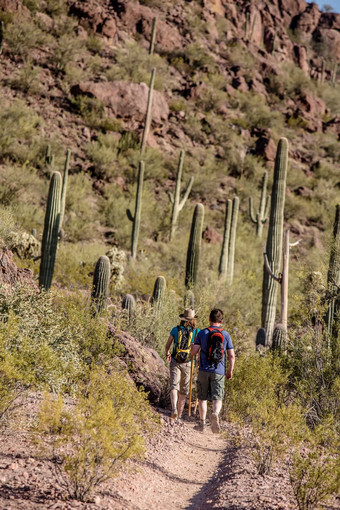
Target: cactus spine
[
  {"x": 50, "y": 234},
  {"x": 138, "y": 207},
  {"x": 129, "y": 304},
  {"x": 333, "y": 279},
  {"x": 262, "y": 214},
  {"x": 274, "y": 239},
  {"x": 222, "y": 270},
  {"x": 148, "y": 115},
  {"x": 232, "y": 241},
  {"x": 177, "y": 204},
  {"x": 101, "y": 280},
  {"x": 153, "y": 36},
  {"x": 194, "y": 247},
  {"x": 64, "y": 188},
  {"x": 158, "y": 291}
]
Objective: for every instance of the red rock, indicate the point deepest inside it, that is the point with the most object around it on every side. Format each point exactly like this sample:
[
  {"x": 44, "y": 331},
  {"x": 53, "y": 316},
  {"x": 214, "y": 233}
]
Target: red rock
[
  {"x": 300, "y": 54},
  {"x": 308, "y": 20},
  {"x": 109, "y": 28},
  {"x": 126, "y": 99},
  {"x": 211, "y": 236}
]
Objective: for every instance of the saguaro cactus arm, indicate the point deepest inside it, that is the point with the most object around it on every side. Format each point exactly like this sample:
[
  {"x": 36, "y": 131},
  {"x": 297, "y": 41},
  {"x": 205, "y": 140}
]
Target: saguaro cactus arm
[
  {"x": 177, "y": 204},
  {"x": 153, "y": 36},
  {"x": 64, "y": 188},
  {"x": 194, "y": 247},
  {"x": 262, "y": 214},
  {"x": 222, "y": 269},
  {"x": 186, "y": 194},
  {"x": 251, "y": 211}
]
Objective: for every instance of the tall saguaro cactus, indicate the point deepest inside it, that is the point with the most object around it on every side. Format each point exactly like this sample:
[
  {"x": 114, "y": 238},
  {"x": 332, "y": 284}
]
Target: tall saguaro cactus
[
  {"x": 50, "y": 234},
  {"x": 148, "y": 115},
  {"x": 333, "y": 279},
  {"x": 274, "y": 239},
  {"x": 232, "y": 240},
  {"x": 64, "y": 188},
  {"x": 194, "y": 247},
  {"x": 222, "y": 269},
  {"x": 101, "y": 280},
  {"x": 138, "y": 207},
  {"x": 177, "y": 204},
  {"x": 153, "y": 36},
  {"x": 262, "y": 214}
]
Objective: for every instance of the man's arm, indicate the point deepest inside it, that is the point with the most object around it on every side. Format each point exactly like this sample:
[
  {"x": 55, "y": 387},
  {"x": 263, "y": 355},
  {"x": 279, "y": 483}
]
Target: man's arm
[
  {"x": 195, "y": 348},
  {"x": 167, "y": 348},
  {"x": 231, "y": 363}
]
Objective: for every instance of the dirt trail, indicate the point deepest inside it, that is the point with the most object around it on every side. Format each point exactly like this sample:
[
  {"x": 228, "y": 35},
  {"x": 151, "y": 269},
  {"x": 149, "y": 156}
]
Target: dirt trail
[{"x": 178, "y": 477}]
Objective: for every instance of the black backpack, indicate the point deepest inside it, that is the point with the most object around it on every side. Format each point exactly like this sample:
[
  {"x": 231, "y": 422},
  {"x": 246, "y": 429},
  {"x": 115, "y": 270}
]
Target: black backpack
[
  {"x": 215, "y": 346},
  {"x": 183, "y": 344}
]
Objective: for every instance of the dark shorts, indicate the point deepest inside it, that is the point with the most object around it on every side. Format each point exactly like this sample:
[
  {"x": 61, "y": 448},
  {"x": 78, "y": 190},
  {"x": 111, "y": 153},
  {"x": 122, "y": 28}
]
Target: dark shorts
[{"x": 210, "y": 386}]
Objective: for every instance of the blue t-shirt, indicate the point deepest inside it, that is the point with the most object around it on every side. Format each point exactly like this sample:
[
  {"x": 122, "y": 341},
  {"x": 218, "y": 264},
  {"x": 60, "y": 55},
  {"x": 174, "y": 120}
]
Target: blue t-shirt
[
  {"x": 202, "y": 340},
  {"x": 174, "y": 334}
]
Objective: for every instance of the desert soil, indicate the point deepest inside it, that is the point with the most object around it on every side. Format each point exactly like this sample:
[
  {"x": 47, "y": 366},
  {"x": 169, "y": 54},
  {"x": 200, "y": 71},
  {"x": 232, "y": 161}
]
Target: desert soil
[{"x": 183, "y": 469}]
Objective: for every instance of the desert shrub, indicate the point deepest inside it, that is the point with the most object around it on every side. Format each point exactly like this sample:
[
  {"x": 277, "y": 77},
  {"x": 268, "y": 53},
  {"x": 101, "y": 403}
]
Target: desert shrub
[
  {"x": 26, "y": 78},
  {"x": 65, "y": 50},
  {"x": 103, "y": 154},
  {"x": 19, "y": 138},
  {"x": 7, "y": 223},
  {"x": 294, "y": 81},
  {"x": 34, "y": 342},
  {"x": 330, "y": 94},
  {"x": 315, "y": 472},
  {"x": 257, "y": 395},
  {"x": 133, "y": 63},
  {"x": 81, "y": 210},
  {"x": 24, "y": 36},
  {"x": 257, "y": 113},
  {"x": 55, "y": 7},
  {"x": 105, "y": 428}
]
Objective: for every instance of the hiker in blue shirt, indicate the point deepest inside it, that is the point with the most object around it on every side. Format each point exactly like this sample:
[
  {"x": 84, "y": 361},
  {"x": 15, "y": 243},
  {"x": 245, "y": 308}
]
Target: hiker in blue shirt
[
  {"x": 182, "y": 337},
  {"x": 213, "y": 343}
]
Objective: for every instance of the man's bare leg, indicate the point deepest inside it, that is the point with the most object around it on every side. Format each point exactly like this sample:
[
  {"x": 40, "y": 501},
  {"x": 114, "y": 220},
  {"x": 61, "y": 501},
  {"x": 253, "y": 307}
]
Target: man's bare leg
[
  {"x": 180, "y": 404},
  {"x": 174, "y": 400}
]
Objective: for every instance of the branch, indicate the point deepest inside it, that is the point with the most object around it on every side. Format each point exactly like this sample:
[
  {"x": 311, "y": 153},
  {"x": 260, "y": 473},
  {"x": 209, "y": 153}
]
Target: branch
[{"x": 268, "y": 269}]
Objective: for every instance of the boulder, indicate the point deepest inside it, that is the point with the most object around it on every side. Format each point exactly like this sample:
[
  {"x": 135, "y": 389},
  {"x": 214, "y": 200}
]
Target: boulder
[
  {"x": 146, "y": 368},
  {"x": 126, "y": 100},
  {"x": 300, "y": 54},
  {"x": 311, "y": 108},
  {"x": 128, "y": 12},
  {"x": 211, "y": 236},
  {"x": 10, "y": 274},
  {"x": 265, "y": 146},
  {"x": 332, "y": 126},
  {"x": 329, "y": 20},
  {"x": 167, "y": 36},
  {"x": 308, "y": 20},
  {"x": 92, "y": 14}
]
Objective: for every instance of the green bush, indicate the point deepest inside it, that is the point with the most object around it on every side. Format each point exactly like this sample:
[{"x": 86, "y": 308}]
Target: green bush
[
  {"x": 105, "y": 428},
  {"x": 24, "y": 36},
  {"x": 26, "y": 78}
]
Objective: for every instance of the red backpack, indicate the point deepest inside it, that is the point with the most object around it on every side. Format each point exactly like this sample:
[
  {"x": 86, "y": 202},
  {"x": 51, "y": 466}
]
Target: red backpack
[{"x": 215, "y": 346}]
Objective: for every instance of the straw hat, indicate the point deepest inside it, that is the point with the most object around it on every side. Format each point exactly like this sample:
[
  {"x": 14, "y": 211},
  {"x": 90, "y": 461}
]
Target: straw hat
[{"x": 188, "y": 314}]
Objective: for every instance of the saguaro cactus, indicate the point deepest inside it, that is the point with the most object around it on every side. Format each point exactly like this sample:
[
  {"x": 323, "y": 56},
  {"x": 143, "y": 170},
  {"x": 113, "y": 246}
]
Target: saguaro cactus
[
  {"x": 274, "y": 239},
  {"x": 101, "y": 280},
  {"x": 194, "y": 247},
  {"x": 153, "y": 36},
  {"x": 333, "y": 279},
  {"x": 129, "y": 304},
  {"x": 148, "y": 115},
  {"x": 226, "y": 265},
  {"x": 50, "y": 234},
  {"x": 64, "y": 188},
  {"x": 222, "y": 269},
  {"x": 177, "y": 204},
  {"x": 158, "y": 291},
  {"x": 138, "y": 207},
  {"x": 262, "y": 214}
]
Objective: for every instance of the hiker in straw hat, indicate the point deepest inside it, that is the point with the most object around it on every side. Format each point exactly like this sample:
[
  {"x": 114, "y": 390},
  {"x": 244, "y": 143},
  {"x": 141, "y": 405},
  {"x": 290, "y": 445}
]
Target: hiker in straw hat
[{"x": 182, "y": 337}]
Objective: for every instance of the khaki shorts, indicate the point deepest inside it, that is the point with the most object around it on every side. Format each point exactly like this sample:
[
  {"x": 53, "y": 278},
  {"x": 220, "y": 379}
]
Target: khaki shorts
[
  {"x": 180, "y": 376},
  {"x": 210, "y": 386}
]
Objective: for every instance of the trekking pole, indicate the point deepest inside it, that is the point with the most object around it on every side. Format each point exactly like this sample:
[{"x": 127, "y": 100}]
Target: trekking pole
[
  {"x": 190, "y": 387},
  {"x": 196, "y": 401}
]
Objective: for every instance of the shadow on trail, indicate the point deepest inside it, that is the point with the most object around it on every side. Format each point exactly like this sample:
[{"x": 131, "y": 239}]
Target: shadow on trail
[
  {"x": 169, "y": 475},
  {"x": 208, "y": 497}
]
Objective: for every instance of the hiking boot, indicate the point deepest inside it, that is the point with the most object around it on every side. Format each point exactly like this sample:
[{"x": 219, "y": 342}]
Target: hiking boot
[
  {"x": 201, "y": 427},
  {"x": 215, "y": 423},
  {"x": 174, "y": 414}
]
